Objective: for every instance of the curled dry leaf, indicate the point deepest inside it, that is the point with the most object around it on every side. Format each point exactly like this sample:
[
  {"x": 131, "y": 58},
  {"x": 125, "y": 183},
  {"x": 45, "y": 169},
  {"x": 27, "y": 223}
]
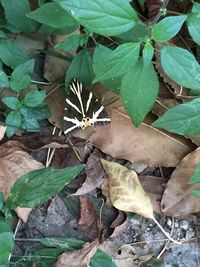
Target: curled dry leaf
[
  {"x": 78, "y": 258},
  {"x": 126, "y": 192},
  {"x": 177, "y": 200},
  {"x": 2, "y": 131},
  {"x": 14, "y": 163},
  {"x": 89, "y": 219},
  {"x": 144, "y": 144}
]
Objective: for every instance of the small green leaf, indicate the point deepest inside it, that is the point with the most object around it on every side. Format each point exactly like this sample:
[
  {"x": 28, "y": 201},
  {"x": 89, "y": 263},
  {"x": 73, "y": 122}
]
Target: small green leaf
[
  {"x": 21, "y": 76},
  {"x": 100, "y": 58},
  {"x": 71, "y": 42},
  {"x": 167, "y": 28},
  {"x": 193, "y": 21},
  {"x": 122, "y": 59},
  {"x": 11, "y": 102},
  {"x": 139, "y": 91},
  {"x": 181, "y": 66},
  {"x": 81, "y": 68},
  {"x": 196, "y": 176},
  {"x": 182, "y": 119},
  {"x": 109, "y": 17},
  {"x": 31, "y": 125},
  {"x": 40, "y": 113},
  {"x": 52, "y": 15},
  {"x": 16, "y": 11},
  {"x": 11, "y": 53},
  {"x": 2, "y": 34},
  {"x": 10, "y": 131},
  {"x": 147, "y": 53},
  {"x": 34, "y": 98},
  {"x": 45, "y": 29},
  {"x": 6, "y": 244},
  {"x": 14, "y": 119},
  {"x": 4, "y": 82},
  {"x": 196, "y": 193},
  {"x": 68, "y": 244},
  {"x": 1, "y": 200},
  {"x": 36, "y": 187},
  {"x": 101, "y": 259}
]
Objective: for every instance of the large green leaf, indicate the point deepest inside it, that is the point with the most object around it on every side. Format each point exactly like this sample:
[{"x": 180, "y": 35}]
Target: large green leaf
[
  {"x": 6, "y": 243},
  {"x": 40, "y": 113},
  {"x": 109, "y": 17},
  {"x": 11, "y": 53},
  {"x": 81, "y": 68},
  {"x": 52, "y": 15},
  {"x": 182, "y": 119},
  {"x": 36, "y": 187},
  {"x": 101, "y": 259},
  {"x": 139, "y": 91},
  {"x": 21, "y": 76},
  {"x": 121, "y": 60},
  {"x": 139, "y": 33},
  {"x": 100, "y": 58},
  {"x": 68, "y": 244},
  {"x": 15, "y": 12},
  {"x": 193, "y": 21},
  {"x": 167, "y": 28},
  {"x": 34, "y": 98},
  {"x": 4, "y": 82},
  {"x": 181, "y": 66}
]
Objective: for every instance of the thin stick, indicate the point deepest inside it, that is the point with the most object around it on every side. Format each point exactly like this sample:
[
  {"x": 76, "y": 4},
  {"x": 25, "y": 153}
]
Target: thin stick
[{"x": 165, "y": 233}]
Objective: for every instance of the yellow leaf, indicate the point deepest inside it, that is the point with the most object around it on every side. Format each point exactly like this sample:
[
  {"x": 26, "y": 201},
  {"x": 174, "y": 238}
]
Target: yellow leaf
[{"x": 126, "y": 192}]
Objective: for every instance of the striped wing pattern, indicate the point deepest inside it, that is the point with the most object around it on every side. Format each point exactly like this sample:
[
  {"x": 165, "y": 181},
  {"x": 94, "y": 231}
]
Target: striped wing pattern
[{"x": 82, "y": 109}]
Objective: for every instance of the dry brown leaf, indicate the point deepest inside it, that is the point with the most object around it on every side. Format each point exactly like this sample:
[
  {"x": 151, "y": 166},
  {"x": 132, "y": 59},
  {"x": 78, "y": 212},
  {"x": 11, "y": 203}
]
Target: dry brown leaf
[
  {"x": 126, "y": 192},
  {"x": 2, "y": 131},
  {"x": 78, "y": 258},
  {"x": 14, "y": 162},
  {"x": 144, "y": 144},
  {"x": 89, "y": 220},
  {"x": 177, "y": 199},
  {"x": 95, "y": 174}
]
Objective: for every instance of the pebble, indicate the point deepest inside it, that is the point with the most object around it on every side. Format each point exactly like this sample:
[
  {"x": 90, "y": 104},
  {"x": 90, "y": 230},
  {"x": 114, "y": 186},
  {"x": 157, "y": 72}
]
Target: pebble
[
  {"x": 169, "y": 222},
  {"x": 184, "y": 225}
]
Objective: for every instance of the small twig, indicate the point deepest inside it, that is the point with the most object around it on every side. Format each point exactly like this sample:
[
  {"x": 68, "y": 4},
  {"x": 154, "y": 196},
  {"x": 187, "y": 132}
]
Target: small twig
[{"x": 75, "y": 149}]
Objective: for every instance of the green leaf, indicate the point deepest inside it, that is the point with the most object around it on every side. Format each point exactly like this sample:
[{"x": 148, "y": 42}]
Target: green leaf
[
  {"x": 196, "y": 193},
  {"x": 4, "y": 82},
  {"x": 81, "y": 68},
  {"x": 11, "y": 102},
  {"x": 11, "y": 53},
  {"x": 2, "y": 34},
  {"x": 109, "y": 17},
  {"x": 147, "y": 53},
  {"x": 193, "y": 21},
  {"x": 21, "y": 76},
  {"x": 10, "y": 131},
  {"x": 100, "y": 58},
  {"x": 34, "y": 98},
  {"x": 167, "y": 28},
  {"x": 14, "y": 119},
  {"x": 182, "y": 119},
  {"x": 122, "y": 59},
  {"x": 181, "y": 66},
  {"x": 15, "y": 12},
  {"x": 6, "y": 244},
  {"x": 139, "y": 91},
  {"x": 31, "y": 125},
  {"x": 71, "y": 42},
  {"x": 52, "y": 15},
  {"x": 68, "y": 244},
  {"x": 1, "y": 200},
  {"x": 40, "y": 113},
  {"x": 100, "y": 259},
  {"x": 36, "y": 187},
  {"x": 196, "y": 176},
  {"x": 45, "y": 29}
]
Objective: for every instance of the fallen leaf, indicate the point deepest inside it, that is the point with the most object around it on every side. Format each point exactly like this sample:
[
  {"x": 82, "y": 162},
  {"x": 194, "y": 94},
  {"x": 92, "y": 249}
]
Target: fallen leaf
[
  {"x": 89, "y": 219},
  {"x": 126, "y": 192},
  {"x": 78, "y": 258},
  {"x": 95, "y": 174},
  {"x": 144, "y": 144},
  {"x": 177, "y": 200},
  {"x": 2, "y": 131},
  {"x": 14, "y": 163}
]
